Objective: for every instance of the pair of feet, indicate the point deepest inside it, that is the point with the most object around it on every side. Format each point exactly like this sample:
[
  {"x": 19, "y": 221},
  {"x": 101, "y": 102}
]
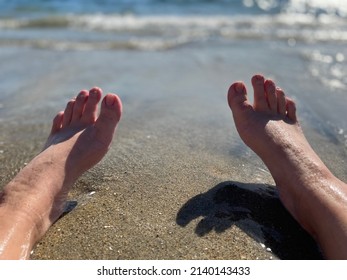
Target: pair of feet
[{"x": 79, "y": 139}]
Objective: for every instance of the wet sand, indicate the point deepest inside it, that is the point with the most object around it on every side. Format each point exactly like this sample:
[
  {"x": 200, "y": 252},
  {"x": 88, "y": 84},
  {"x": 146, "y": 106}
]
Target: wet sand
[{"x": 177, "y": 183}]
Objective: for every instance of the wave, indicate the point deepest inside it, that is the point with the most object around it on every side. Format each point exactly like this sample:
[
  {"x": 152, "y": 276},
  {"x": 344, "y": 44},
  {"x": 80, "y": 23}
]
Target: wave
[
  {"x": 132, "y": 22},
  {"x": 163, "y": 32},
  {"x": 65, "y": 45},
  {"x": 146, "y": 7},
  {"x": 316, "y": 7}
]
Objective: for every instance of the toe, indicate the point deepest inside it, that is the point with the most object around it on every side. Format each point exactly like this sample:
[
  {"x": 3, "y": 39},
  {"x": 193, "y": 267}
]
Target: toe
[
  {"x": 260, "y": 103},
  {"x": 281, "y": 101},
  {"x": 237, "y": 97},
  {"x": 270, "y": 90},
  {"x": 68, "y": 112},
  {"x": 57, "y": 122},
  {"x": 111, "y": 109},
  {"x": 110, "y": 114},
  {"x": 291, "y": 109},
  {"x": 78, "y": 108},
  {"x": 90, "y": 110}
]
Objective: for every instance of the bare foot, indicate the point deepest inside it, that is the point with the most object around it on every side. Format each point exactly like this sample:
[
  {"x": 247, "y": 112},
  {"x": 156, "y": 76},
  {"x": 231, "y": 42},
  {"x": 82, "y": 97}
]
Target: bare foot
[
  {"x": 316, "y": 199},
  {"x": 36, "y": 197}
]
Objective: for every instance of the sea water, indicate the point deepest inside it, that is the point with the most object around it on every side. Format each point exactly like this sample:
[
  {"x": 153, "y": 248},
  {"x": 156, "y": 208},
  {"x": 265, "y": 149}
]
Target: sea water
[
  {"x": 156, "y": 25},
  {"x": 312, "y": 31},
  {"x": 159, "y": 24}
]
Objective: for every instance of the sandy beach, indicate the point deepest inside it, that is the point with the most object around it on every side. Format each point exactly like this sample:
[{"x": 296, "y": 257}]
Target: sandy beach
[{"x": 177, "y": 183}]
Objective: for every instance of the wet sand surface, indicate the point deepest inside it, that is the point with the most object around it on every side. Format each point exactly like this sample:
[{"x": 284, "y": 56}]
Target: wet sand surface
[{"x": 177, "y": 183}]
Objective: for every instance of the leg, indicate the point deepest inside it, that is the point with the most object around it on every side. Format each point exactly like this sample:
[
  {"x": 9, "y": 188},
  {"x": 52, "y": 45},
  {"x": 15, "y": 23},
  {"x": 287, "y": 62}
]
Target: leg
[
  {"x": 310, "y": 192},
  {"x": 36, "y": 197}
]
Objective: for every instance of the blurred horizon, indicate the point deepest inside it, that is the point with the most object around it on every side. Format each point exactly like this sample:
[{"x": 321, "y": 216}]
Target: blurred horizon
[
  {"x": 27, "y": 8},
  {"x": 165, "y": 24}
]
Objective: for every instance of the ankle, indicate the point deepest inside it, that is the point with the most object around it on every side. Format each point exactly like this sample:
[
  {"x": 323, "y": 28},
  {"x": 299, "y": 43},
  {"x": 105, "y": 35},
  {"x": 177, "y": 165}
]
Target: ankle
[
  {"x": 19, "y": 201},
  {"x": 306, "y": 198},
  {"x": 18, "y": 234}
]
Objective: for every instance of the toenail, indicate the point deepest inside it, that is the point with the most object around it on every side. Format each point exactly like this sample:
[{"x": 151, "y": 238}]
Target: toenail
[
  {"x": 109, "y": 100},
  {"x": 239, "y": 88},
  {"x": 259, "y": 78},
  {"x": 82, "y": 94},
  {"x": 94, "y": 92}
]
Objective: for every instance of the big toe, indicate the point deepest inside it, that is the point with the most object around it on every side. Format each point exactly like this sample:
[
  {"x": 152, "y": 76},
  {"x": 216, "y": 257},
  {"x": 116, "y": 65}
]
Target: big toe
[
  {"x": 111, "y": 108},
  {"x": 110, "y": 114},
  {"x": 237, "y": 98}
]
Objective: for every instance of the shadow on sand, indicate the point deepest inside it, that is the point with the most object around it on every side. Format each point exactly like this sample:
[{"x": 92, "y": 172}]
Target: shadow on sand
[{"x": 257, "y": 210}]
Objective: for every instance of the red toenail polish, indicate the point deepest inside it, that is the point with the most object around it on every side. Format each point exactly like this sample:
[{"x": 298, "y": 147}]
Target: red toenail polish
[
  {"x": 239, "y": 88},
  {"x": 109, "y": 100},
  {"x": 94, "y": 91},
  {"x": 82, "y": 95}
]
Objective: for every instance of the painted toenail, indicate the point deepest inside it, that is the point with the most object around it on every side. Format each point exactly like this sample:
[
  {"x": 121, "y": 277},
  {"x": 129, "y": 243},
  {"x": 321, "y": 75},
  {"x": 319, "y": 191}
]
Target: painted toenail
[
  {"x": 109, "y": 99},
  {"x": 239, "y": 88},
  {"x": 82, "y": 95},
  {"x": 94, "y": 92}
]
